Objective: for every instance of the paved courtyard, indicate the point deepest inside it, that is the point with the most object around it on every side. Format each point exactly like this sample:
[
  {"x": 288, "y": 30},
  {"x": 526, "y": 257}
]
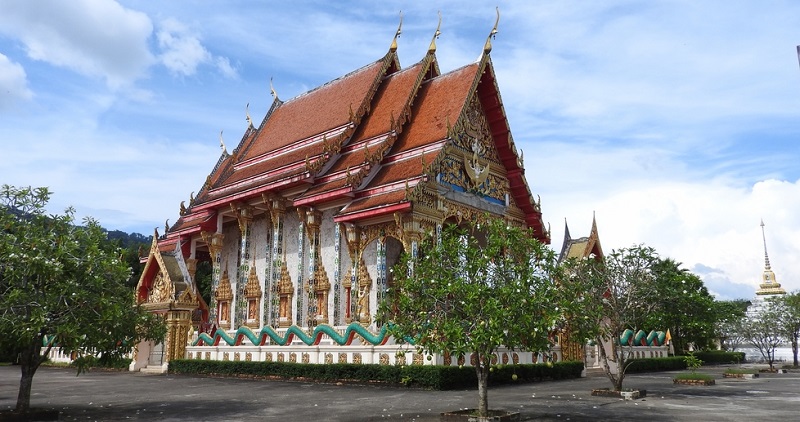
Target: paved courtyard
[{"x": 115, "y": 396}]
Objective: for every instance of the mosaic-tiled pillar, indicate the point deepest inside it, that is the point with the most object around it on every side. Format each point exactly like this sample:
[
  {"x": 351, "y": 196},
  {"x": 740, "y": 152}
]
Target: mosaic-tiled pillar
[
  {"x": 244, "y": 215},
  {"x": 337, "y": 276},
  {"x": 350, "y": 282},
  {"x": 266, "y": 288},
  {"x": 214, "y": 243},
  {"x": 380, "y": 258},
  {"x": 277, "y": 210},
  {"x": 301, "y": 242},
  {"x": 317, "y": 285}
]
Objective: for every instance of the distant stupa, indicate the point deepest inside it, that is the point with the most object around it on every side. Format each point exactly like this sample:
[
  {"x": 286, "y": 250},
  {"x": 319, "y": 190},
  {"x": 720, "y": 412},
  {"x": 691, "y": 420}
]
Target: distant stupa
[{"x": 769, "y": 286}]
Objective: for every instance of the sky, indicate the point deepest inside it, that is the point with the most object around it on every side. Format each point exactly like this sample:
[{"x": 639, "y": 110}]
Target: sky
[{"x": 674, "y": 123}]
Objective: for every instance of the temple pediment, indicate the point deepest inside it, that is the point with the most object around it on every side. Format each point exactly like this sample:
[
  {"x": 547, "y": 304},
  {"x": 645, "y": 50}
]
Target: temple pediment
[{"x": 165, "y": 282}]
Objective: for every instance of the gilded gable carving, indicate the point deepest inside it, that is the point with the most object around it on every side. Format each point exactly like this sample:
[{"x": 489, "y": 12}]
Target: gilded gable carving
[
  {"x": 472, "y": 163},
  {"x": 473, "y": 128},
  {"x": 224, "y": 291},
  {"x": 162, "y": 290}
]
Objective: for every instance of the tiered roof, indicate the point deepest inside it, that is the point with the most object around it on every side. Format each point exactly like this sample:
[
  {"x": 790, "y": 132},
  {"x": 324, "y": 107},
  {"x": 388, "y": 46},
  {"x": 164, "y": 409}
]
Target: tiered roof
[
  {"x": 583, "y": 247},
  {"x": 361, "y": 142}
]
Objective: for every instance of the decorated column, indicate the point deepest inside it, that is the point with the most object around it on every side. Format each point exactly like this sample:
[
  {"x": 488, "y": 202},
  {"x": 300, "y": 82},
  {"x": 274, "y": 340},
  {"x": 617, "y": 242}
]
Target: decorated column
[
  {"x": 380, "y": 258},
  {"x": 318, "y": 285},
  {"x": 350, "y": 283},
  {"x": 358, "y": 282},
  {"x": 337, "y": 276},
  {"x": 277, "y": 212},
  {"x": 214, "y": 243},
  {"x": 301, "y": 243},
  {"x": 244, "y": 216}
]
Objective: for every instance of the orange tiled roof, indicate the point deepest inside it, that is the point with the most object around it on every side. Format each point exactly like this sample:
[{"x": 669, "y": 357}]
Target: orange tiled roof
[
  {"x": 316, "y": 111},
  {"x": 379, "y": 122},
  {"x": 438, "y": 102}
]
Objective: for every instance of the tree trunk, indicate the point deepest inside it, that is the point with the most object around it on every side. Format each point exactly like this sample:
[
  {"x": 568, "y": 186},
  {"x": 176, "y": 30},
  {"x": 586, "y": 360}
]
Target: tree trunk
[
  {"x": 29, "y": 362},
  {"x": 482, "y": 371},
  {"x": 794, "y": 348},
  {"x": 618, "y": 357},
  {"x": 604, "y": 359}
]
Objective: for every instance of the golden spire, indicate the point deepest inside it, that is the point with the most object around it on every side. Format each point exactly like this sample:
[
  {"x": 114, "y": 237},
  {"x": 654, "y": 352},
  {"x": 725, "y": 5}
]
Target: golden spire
[
  {"x": 432, "y": 47},
  {"x": 393, "y": 47},
  {"x": 764, "y": 238},
  {"x": 488, "y": 46}
]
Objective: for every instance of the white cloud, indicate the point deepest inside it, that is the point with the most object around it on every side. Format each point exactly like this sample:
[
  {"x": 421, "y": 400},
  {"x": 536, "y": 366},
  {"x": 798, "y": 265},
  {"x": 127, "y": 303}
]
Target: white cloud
[
  {"x": 94, "y": 38},
  {"x": 13, "y": 83},
  {"x": 710, "y": 225},
  {"x": 182, "y": 51},
  {"x": 125, "y": 184},
  {"x": 224, "y": 66}
]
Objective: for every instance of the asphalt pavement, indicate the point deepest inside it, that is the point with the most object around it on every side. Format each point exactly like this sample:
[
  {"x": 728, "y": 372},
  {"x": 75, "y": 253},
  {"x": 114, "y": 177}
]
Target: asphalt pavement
[{"x": 116, "y": 396}]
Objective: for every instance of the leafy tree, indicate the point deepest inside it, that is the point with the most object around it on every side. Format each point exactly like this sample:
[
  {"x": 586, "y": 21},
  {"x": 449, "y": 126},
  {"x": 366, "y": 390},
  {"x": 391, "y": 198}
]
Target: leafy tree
[
  {"x": 478, "y": 288},
  {"x": 683, "y": 305},
  {"x": 605, "y": 297},
  {"x": 728, "y": 318},
  {"x": 203, "y": 279},
  {"x": 132, "y": 246},
  {"x": 787, "y": 308},
  {"x": 61, "y": 285},
  {"x": 762, "y": 331}
]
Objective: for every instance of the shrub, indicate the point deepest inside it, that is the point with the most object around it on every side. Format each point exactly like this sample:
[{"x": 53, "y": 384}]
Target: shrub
[
  {"x": 692, "y": 362},
  {"x": 693, "y": 376},
  {"x": 423, "y": 376},
  {"x": 741, "y": 371},
  {"x": 656, "y": 364},
  {"x": 719, "y": 356}
]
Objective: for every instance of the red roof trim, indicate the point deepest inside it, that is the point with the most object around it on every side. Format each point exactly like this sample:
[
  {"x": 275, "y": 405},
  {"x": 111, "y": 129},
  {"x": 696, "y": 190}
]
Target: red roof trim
[
  {"x": 391, "y": 187},
  {"x": 325, "y": 196},
  {"x": 293, "y": 147},
  {"x": 374, "y": 212},
  {"x": 259, "y": 177}
]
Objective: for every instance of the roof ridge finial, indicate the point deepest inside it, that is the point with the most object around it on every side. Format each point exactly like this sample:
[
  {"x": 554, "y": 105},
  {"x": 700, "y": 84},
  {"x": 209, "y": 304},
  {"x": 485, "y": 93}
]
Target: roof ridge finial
[
  {"x": 272, "y": 90},
  {"x": 432, "y": 47},
  {"x": 222, "y": 145},
  {"x": 488, "y": 46},
  {"x": 247, "y": 116},
  {"x": 764, "y": 237},
  {"x": 393, "y": 47}
]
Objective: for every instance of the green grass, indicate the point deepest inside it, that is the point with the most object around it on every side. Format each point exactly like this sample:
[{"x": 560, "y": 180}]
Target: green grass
[
  {"x": 741, "y": 371},
  {"x": 695, "y": 376}
]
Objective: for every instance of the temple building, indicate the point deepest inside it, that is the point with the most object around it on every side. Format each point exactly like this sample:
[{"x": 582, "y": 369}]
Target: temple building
[
  {"x": 769, "y": 286},
  {"x": 587, "y": 247},
  {"x": 303, "y": 220}
]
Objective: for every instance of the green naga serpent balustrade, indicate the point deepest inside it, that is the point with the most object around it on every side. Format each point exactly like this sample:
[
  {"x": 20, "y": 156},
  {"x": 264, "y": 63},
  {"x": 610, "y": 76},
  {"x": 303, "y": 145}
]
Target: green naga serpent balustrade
[
  {"x": 641, "y": 338},
  {"x": 260, "y": 338}
]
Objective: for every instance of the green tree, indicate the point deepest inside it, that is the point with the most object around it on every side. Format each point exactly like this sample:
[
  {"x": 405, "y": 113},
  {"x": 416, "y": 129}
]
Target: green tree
[
  {"x": 603, "y": 298},
  {"x": 761, "y": 329},
  {"x": 728, "y": 318},
  {"x": 477, "y": 288},
  {"x": 788, "y": 318},
  {"x": 62, "y": 285},
  {"x": 683, "y": 305}
]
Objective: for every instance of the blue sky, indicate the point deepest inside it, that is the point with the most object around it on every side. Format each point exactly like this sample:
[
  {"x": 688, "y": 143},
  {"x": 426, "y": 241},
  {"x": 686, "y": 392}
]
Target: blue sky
[{"x": 676, "y": 123}]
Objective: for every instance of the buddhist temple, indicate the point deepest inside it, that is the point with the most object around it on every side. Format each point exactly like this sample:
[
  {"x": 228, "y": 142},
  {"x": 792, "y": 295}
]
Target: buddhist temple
[{"x": 304, "y": 218}]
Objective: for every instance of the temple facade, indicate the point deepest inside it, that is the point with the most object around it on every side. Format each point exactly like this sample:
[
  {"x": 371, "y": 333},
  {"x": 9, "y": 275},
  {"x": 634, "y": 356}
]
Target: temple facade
[{"x": 303, "y": 220}]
